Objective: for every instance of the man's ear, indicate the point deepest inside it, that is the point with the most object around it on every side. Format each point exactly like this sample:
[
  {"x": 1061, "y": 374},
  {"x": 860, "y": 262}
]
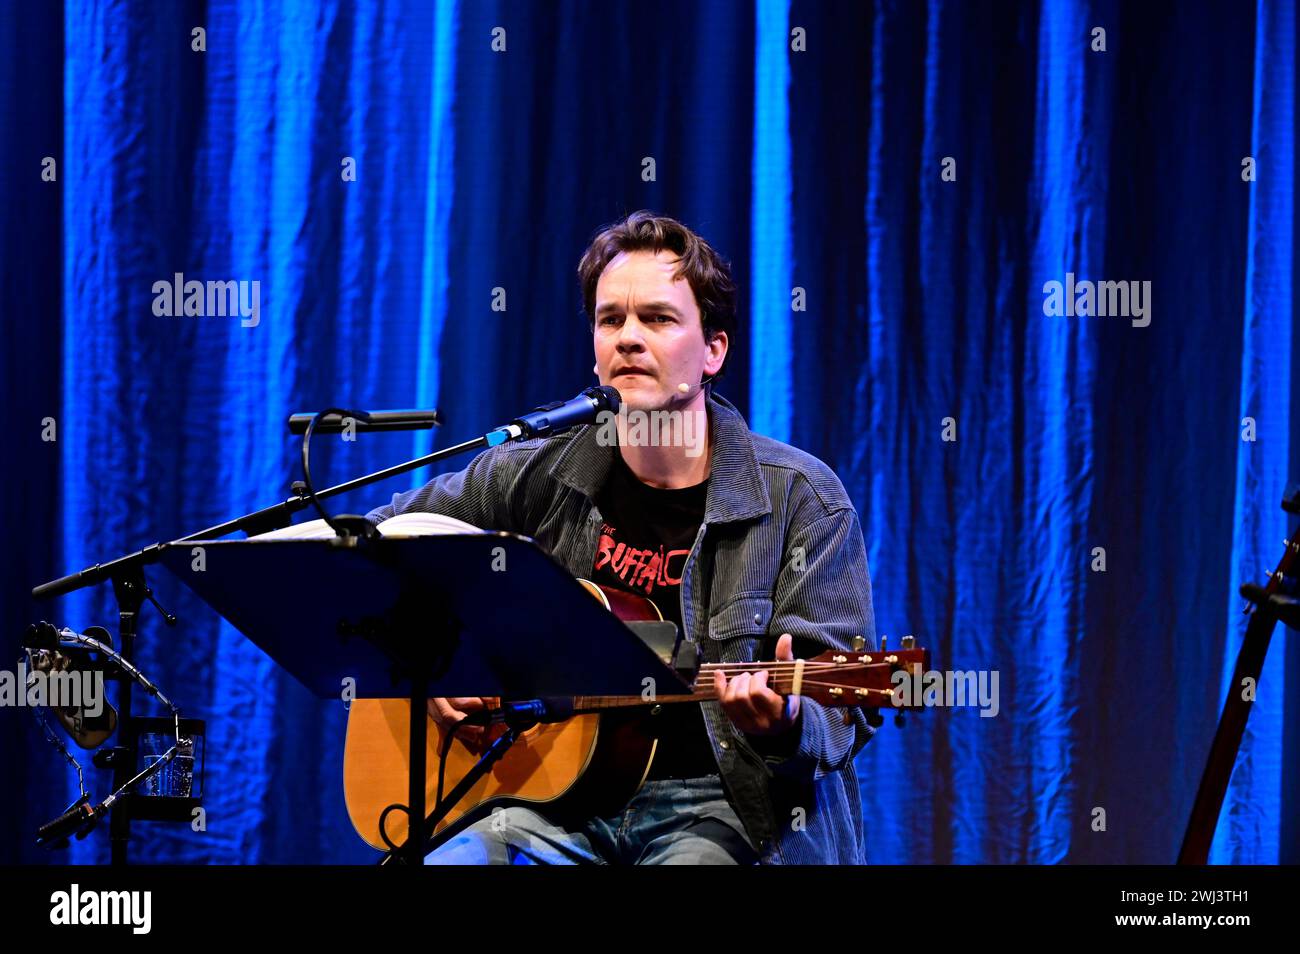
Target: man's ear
[{"x": 718, "y": 345}]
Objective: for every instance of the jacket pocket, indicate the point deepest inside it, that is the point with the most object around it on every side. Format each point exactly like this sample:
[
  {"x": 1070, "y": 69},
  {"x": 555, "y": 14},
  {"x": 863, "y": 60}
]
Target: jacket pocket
[{"x": 739, "y": 626}]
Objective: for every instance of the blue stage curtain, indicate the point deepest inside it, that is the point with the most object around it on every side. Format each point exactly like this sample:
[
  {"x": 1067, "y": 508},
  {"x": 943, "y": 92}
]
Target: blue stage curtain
[{"x": 1070, "y": 501}]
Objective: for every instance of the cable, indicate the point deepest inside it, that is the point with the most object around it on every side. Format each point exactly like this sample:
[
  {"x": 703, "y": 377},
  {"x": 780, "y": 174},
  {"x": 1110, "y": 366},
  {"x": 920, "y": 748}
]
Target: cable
[
  {"x": 306, "y": 460},
  {"x": 383, "y": 816},
  {"x": 442, "y": 760},
  {"x": 126, "y": 667},
  {"x": 383, "y": 825},
  {"x": 52, "y": 737}
]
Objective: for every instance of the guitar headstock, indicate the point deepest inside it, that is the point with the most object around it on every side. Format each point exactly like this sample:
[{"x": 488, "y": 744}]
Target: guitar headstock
[{"x": 859, "y": 677}]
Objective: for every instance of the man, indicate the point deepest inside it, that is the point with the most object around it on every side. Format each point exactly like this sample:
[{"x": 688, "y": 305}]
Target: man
[{"x": 735, "y": 540}]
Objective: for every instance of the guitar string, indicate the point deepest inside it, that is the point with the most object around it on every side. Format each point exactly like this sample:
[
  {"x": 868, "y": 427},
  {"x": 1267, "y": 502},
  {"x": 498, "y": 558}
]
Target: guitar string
[
  {"x": 810, "y": 671},
  {"x": 787, "y": 668},
  {"x": 810, "y": 667},
  {"x": 707, "y": 692},
  {"x": 705, "y": 689}
]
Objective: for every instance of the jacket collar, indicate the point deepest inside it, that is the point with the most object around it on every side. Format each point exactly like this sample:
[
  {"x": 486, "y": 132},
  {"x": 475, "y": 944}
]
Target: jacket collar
[{"x": 736, "y": 490}]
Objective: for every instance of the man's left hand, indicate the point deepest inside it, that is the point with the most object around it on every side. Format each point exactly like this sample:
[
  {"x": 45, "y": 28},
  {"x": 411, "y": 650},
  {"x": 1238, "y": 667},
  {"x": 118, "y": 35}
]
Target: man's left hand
[{"x": 751, "y": 705}]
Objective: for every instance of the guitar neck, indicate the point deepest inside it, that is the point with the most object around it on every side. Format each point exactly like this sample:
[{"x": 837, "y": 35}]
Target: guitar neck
[
  {"x": 701, "y": 691},
  {"x": 784, "y": 678}
]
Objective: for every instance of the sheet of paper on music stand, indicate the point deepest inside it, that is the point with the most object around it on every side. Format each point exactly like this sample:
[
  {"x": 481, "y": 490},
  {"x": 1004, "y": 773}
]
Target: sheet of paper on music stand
[{"x": 403, "y": 525}]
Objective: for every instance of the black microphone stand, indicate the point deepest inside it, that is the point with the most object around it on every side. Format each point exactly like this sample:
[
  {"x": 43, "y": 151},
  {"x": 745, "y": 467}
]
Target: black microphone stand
[
  {"x": 259, "y": 521},
  {"x": 536, "y": 423}
]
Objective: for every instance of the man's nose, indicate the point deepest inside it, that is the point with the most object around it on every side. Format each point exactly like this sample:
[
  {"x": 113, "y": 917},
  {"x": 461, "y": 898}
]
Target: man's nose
[{"x": 631, "y": 335}]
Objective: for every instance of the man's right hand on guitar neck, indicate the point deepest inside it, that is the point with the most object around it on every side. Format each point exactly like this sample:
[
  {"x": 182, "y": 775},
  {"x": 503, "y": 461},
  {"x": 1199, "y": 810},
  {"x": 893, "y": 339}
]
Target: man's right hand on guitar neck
[{"x": 449, "y": 712}]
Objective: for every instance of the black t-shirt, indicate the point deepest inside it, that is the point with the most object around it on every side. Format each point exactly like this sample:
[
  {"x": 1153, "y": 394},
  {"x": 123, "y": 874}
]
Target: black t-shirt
[{"x": 645, "y": 540}]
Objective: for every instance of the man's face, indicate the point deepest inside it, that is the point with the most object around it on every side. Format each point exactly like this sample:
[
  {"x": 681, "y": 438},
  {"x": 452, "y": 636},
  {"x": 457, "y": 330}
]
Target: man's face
[{"x": 647, "y": 321}]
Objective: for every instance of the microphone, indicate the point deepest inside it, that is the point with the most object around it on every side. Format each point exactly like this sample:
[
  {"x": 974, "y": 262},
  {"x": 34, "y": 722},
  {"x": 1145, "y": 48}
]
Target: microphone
[
  {"x": 413, "y": 420},
  {"x": 528, "y": 712},
  {"x": 559, "y": 416},
  {"x": 685, "y": 388},
  {"x": 66, "y": 824}
]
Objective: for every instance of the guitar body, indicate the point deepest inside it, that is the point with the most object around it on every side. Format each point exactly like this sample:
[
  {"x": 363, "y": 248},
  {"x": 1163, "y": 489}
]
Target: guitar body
[{"x": 589, "y": 765}]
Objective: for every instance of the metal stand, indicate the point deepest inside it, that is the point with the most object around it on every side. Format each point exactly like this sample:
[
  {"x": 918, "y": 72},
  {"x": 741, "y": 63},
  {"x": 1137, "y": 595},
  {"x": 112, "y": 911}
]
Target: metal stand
[
  {"x": 519, "y": 719},
  {"x": 130, "y": 590},
  {"x": 416, "y": 828}
]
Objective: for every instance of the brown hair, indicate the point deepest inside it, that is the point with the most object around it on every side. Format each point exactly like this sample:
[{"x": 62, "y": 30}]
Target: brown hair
[{"x": 706, "y": 271}]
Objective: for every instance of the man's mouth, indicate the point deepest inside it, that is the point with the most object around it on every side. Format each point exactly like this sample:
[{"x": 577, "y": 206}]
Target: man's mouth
[{"x": 626, "y": 371}]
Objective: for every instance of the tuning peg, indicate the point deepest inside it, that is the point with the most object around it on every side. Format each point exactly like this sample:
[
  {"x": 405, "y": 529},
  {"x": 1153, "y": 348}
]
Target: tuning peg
[{"x": 909, "y": 642}]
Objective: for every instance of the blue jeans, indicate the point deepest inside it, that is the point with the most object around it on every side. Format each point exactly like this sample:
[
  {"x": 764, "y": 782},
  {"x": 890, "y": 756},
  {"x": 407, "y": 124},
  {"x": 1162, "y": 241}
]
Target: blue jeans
[{"x": 667, "y": 822}]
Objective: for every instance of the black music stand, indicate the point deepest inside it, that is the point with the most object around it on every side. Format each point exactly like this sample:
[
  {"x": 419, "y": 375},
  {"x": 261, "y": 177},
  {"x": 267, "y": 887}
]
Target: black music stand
[{"x": 485, "y": 614}]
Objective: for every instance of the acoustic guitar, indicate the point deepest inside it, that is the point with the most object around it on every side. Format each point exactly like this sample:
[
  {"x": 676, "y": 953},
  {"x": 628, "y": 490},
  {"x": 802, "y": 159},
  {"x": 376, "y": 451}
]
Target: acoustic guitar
[{"x": 589, "y": 765}]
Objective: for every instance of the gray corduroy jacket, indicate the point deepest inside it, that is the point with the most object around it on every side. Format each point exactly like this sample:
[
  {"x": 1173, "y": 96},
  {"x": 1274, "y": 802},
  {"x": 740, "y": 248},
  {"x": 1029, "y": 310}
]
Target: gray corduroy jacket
[{"x": 780, "y": 551}]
